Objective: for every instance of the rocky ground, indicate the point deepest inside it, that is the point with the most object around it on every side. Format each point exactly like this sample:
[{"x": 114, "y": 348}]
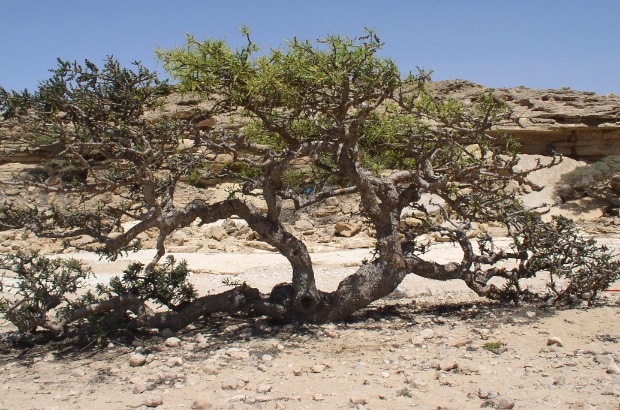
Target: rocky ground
[{"x": 395, "y": 355}]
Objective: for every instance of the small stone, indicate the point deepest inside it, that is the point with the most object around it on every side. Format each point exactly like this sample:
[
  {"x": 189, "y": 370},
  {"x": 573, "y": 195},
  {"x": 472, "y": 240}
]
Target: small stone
[
  {"x": 530, "y": 314},
  {"x": 266, "y": 358},
  {"x": 137, "y": 359},
  {"x": 318, "y": 397},
  {"x": 264, "y": 388},
  {"x": 427, "y": 334},
  {"x": 331, "y": 333},
  {"x": 385, "y": 374},
  {"x": 153, "y": 401},
  {"x": 297, "y": 372},
  {"x": 447, "y": 365},
  {"x": 559, "y": 381},
  {"x": 604, "y": 359},
  {"x": 174, "y": 361},
  {"x": 233, "y": 384},
  {"x": 262, "y": 367},
  {"x": 318, "y": 368},
  {"x": 613, "y": 368},
  {"x": 172, "y": 342},
  {"x": 201, "y": 404},
  {"x": 139, "y": 387},
  {"x": 358, "y": 400},
  {"x": 418, "y": 383},
  {"x": 78, "y": 373},
  {"x": 505, "y": 404},
  {"x": 210, "y": 369},
  {"x": 554, "y": 341}
]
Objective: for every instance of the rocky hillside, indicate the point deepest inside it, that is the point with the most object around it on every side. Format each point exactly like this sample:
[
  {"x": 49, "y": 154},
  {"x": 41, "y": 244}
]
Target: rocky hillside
[{"x": 572, "y": 123}]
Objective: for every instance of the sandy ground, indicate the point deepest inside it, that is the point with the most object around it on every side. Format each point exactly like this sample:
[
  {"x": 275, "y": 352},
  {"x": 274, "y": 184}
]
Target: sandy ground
[{"x": 449, "y": 349}]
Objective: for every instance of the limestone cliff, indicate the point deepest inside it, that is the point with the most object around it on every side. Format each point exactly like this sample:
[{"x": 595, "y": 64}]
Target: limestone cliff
[{"x": 573, "y": 123}]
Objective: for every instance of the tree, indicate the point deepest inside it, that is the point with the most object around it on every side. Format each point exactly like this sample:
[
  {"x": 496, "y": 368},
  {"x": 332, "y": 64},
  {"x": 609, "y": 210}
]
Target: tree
[{"x": 368, "y": 131}]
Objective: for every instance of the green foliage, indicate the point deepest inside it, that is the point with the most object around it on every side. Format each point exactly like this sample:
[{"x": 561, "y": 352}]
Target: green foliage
[
  {"x": 41, "y": 285},
  {"x": 493, "y": 347},
  {"x": 601, "y": 179},
  {"x": 165, "y": 285},
  {"x": 578, "y": 267}
]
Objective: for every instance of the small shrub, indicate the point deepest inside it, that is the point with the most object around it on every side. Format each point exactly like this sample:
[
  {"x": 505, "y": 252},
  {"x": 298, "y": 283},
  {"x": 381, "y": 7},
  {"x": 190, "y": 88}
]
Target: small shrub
[
  {"x": 600, "y": 180},
  {"x": 493, "y": 347}
]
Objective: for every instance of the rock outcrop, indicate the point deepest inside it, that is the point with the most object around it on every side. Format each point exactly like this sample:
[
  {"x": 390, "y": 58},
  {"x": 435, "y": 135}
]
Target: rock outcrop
[{"x": 573, "y": 123}]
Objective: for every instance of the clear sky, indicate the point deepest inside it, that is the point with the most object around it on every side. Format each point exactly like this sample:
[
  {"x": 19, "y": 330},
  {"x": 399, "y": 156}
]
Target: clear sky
[{"x": 498, "y": 43}]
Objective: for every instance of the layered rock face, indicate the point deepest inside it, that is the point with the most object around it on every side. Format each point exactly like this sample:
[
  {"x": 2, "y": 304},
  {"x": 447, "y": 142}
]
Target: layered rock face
[{"x": 573, "y": 123}]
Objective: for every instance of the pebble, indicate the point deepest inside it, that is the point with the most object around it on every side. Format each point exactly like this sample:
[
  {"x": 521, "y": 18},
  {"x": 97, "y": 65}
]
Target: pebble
[
  {"x": 505, "y": 404},
  {"x": 78, "y": 373},
  {"x": 554, "y": 341},
  {"x": 153, "y": 401},
  {"x": 318, "y": 397},
  {"x": 318, "y": 368},
  {"x": 172, "y": 342},
  {"x": 447, "y": 365},
  {"x": 331, "y": 333},
  {"x": 174, "y": 361},
  {"x": 262, "y": 367},
  {"x": 210, "y": 369},
  {"x": 201, "y": 404},
  {"x": 427, "y": 334},
  {"x": 358, "y": 400},
  {"x": 604, "y": 359},
  {"x": 266, "y": 358},
  {"x": 613, "y": 368},
  {"x": 232, "y": 384},
  {"x": 264, "y": 388},
  {"x": 137, "y": 359}
]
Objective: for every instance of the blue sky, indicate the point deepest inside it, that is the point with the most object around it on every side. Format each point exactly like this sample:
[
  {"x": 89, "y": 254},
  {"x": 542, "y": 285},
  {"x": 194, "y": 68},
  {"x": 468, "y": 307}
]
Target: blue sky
[{"x": 498, "y": 43}]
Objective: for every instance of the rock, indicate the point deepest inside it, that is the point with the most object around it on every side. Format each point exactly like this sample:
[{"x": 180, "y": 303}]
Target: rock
[
  {"x": 216, "y": 232},
  {"x": 210, "y": 369},
  {"x": 137, "y": 359},
  {"x": 201, "y": 404},
  {"x": 417, "y": 383},
  {"x": 358, "y": 400},
  {"x": 266, "y": 358},
  {"x": 139, "y": 387},
  {"x": 427, "y": 334},
  {"x": 318, "y": 397},
  {"x": 318, "y": 368},
  {"x": 447, "y": 365},
  {"x": 264, "y": 388},
  {"x": 347, "y": 229},
  {"x": 174, "y": 361},
  {"x": 604, "y": 359},
  {"x": 303, "y": 225},
  {"x": 153, "y": 401},
  {"x": 225, "y": 159},
  {"x": 207, "y": 123},
  {"x": 331, "y": 333},
  {"x": 613, "y": 368},
  {"x": 554, "y": 341},
  {"x": 172, "y": 342},
  {"x": 232, "y": 384},
  {"x": 78, "y": 372},
  {"x": 505, "y": 404},
  {"x": 559, "y": 381}
]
